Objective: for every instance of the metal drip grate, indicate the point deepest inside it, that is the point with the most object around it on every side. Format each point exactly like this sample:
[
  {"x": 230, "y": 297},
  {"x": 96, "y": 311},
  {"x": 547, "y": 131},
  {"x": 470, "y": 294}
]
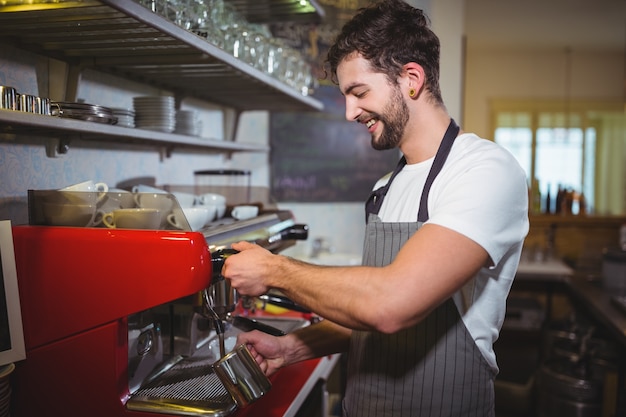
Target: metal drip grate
[{"x": 190, "y": 387}]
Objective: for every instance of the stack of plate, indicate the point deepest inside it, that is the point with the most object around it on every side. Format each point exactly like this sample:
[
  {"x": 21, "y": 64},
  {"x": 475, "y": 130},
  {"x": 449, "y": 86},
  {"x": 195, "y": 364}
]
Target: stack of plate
[
  {"x": 83, "y": 111},
  {"x": 125, "y": 117},
  {"x": 5, "y": 389},
  {"x": 155, "y": 113},
  {"x": 187, "y": 122}
]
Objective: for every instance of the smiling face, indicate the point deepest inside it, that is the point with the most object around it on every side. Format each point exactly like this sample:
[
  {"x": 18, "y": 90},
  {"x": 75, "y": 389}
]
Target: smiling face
[{"x": 373, "y": 101}]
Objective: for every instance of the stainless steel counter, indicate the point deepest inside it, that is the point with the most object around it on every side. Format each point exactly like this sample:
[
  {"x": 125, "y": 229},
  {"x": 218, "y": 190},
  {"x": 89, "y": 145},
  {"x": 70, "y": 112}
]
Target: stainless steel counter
[
  {"x": 589, "y": 293},
  {"x": 597, "y": 300},
  {"x": 547, "y": 276}
]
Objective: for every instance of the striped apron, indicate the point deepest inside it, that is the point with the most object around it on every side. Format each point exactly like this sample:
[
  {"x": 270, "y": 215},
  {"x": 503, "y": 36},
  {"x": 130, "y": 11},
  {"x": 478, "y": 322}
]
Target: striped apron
[{"x": 431, "y": 369}]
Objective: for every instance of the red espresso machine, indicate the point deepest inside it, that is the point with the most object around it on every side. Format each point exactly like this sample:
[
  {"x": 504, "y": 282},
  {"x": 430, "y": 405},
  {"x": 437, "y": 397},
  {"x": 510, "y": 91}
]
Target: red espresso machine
[{"x": 108, "y": 312}]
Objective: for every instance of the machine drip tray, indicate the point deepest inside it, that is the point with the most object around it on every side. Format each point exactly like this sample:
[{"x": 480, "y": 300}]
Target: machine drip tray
[{"x": 188, "y": 388}]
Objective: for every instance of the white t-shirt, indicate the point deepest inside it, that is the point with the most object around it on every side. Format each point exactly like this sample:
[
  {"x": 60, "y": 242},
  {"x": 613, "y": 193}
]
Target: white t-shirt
[{"x": 482, "y": 193}]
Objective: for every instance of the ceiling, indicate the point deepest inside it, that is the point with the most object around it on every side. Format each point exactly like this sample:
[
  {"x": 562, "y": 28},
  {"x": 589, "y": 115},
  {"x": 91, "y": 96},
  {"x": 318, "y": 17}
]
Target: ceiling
[{"x": 574, "y": 24}]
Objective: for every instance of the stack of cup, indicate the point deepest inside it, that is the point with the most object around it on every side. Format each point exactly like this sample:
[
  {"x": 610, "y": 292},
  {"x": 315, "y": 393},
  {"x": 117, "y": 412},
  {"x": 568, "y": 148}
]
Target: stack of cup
[{"x": 74, "y": 205}]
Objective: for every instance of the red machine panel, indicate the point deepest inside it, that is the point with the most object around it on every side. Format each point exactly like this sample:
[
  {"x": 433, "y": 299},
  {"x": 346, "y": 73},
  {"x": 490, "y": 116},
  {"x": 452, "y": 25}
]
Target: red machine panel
[{"x": 74, "y": 279}]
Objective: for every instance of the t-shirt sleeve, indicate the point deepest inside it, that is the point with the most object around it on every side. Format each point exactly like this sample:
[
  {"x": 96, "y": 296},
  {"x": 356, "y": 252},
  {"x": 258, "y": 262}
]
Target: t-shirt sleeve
[{"x": 483, "y": 196}]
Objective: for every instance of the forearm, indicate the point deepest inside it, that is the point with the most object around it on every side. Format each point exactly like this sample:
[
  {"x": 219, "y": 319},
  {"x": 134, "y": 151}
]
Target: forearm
[
  {"x": 318, "y": 340},
  {"x": 346, "y": 304}
]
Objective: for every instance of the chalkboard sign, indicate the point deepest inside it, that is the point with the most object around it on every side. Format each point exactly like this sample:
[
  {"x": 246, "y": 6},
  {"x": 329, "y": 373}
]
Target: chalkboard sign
[{"x": 322, "y": 157}]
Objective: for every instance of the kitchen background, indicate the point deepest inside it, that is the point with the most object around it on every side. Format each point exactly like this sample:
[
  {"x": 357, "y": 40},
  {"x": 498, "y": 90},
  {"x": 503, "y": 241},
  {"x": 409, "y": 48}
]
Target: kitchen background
[
  {"x": 494, "y": 55},
  {"x": 490, "y": 51}
]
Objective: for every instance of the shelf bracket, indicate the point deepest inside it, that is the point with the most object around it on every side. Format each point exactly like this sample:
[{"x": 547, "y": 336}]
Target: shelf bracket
[
  {"x": 231, "y": 122},
  {"x": 73, "y": 77},
  {"x": 165, "y": 152},
  {"x": 56, "y": 148}
]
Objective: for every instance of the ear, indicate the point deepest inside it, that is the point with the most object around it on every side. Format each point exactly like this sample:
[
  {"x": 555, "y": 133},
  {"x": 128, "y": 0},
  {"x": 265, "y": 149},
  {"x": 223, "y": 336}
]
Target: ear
[{"x": 413, "y": 76}]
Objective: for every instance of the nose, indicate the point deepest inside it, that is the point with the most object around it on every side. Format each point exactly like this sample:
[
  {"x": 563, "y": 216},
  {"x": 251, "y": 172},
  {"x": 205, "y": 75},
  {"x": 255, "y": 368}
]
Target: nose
[{"x": 352, "y": 110}]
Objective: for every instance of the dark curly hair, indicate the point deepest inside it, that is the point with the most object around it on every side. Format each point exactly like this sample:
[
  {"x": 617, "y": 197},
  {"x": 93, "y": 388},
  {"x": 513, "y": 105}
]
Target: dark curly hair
[{"x": 389, "y": 34}]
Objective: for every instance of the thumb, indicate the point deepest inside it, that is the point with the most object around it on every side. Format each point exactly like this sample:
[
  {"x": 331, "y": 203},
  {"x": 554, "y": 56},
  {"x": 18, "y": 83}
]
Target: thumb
[{"x": 243, "y": 245}]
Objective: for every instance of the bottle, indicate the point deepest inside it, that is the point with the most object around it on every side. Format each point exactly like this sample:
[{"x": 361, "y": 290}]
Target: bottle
[
  {"x": 548, "y": 207},
  {"x": 559, "y": 200},
  {"x": 582, "y": 204},
  {"x": 536, "y": 196}
]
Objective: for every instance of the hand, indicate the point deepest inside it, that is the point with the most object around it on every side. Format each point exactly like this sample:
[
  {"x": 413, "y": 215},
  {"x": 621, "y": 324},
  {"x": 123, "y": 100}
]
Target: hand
[
  {"x": 248, "y": 269},
  {"x": 266, "y": 350}
]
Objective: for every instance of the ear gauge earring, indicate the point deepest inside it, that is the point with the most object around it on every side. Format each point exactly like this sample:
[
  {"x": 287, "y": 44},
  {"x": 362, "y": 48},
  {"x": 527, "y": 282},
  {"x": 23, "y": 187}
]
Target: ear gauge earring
[{"x": 412, "y": 92}]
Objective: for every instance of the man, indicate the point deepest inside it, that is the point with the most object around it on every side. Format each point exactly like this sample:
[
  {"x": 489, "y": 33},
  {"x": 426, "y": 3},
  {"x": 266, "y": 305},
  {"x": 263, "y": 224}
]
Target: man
[{"x": 443, "y": 240}]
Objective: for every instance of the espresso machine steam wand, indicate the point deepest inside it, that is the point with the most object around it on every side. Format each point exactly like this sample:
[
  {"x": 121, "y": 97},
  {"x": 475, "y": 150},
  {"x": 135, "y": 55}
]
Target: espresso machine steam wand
[{"x": 219, "y": 299}]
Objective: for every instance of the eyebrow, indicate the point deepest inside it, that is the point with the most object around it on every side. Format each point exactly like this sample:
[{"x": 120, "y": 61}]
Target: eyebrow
[{"x": 352, "y": 87}]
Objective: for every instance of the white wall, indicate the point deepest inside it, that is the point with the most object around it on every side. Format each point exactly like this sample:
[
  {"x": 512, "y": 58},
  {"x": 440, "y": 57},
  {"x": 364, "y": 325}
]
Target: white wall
[
  {"x": 24, "y": 164},
  {"x": 537, "y": 74}
]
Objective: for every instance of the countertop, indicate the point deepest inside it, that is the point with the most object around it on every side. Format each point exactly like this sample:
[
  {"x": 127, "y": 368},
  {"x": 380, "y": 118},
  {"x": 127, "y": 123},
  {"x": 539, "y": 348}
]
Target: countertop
[
  {"x": 598, "y": 302},
  {"x": 589, "y": 293},
  {"x": 547, "y": 270}
]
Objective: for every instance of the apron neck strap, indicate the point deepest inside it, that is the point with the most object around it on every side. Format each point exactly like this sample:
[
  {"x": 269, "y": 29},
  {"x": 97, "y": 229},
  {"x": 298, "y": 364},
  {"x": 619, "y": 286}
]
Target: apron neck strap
[
  {"x": 440, "y": 159},
  {"x": 375, "y": 200}
]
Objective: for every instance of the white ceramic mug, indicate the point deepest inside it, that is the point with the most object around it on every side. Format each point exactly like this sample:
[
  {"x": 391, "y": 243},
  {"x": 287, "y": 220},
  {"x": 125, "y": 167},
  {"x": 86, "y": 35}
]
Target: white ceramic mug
[
  {"x": 141, "y": 188},
  {"x": 244, "y": 212},
  {"x": 185, "y": 199},
  {"x": 160, "y": 201},
  {"x": 114, "y": 199},
  {"x": 212, "y": 199},
  {"x": 86, "y": 192},
  {"x": 123, "y": 197},
  {"x": 164, "y": 202},
  {"x": 194, "y": 218},
  {"x": 89, "y": 185},
  {"x": 68, "y": 214},
  {"x": 132, "y": 218},
  {"x": 216, "y": 200}
]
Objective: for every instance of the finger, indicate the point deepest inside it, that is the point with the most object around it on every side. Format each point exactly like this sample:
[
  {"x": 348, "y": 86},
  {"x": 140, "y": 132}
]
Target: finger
[{"x": 243, "y": 245}]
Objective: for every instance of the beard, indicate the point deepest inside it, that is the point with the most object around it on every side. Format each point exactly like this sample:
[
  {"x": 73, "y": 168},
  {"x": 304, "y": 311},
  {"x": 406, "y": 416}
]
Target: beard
[{"x": 395, "y": 116}]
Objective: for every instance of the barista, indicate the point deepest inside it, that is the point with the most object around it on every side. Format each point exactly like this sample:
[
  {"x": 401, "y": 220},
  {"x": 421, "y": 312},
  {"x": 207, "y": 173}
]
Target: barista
[{"x": 444, "y": 235}]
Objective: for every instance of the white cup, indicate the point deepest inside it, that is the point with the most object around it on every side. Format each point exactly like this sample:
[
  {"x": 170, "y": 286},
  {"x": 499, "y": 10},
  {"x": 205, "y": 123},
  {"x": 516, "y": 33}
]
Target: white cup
[
  {"x": 160, "y": 201},
  {"x": 142, "y": 188},
  {"x": 216, "y": 200},
  {"x": 185, "y": 199},
  {"x": 244, "y": 212},
  {"x": 132, "y": 218},
  {"x": 114, "y": 199},
  {"x": 90, "y": 185},
  {"x": 194, "y": 218},
  {"x": 86, "y": 192},
  {"x": 123, "y": 197},
  {"x": 164, "y": 202},
  {"x": 68, "y": 214},
  {"x": 212, "y": 199}
]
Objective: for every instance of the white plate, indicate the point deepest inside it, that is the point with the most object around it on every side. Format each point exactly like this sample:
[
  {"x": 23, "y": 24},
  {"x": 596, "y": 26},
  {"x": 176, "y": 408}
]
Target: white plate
[
  {"x": 153, "y": 99},
  {"x": 7, "y": 369},
  {"x": 156, "y": 129}
]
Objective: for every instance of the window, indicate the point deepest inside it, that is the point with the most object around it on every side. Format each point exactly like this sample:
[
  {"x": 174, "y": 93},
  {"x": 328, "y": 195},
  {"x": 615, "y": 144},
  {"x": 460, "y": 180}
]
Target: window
[{"x": 559, "y": 150}]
